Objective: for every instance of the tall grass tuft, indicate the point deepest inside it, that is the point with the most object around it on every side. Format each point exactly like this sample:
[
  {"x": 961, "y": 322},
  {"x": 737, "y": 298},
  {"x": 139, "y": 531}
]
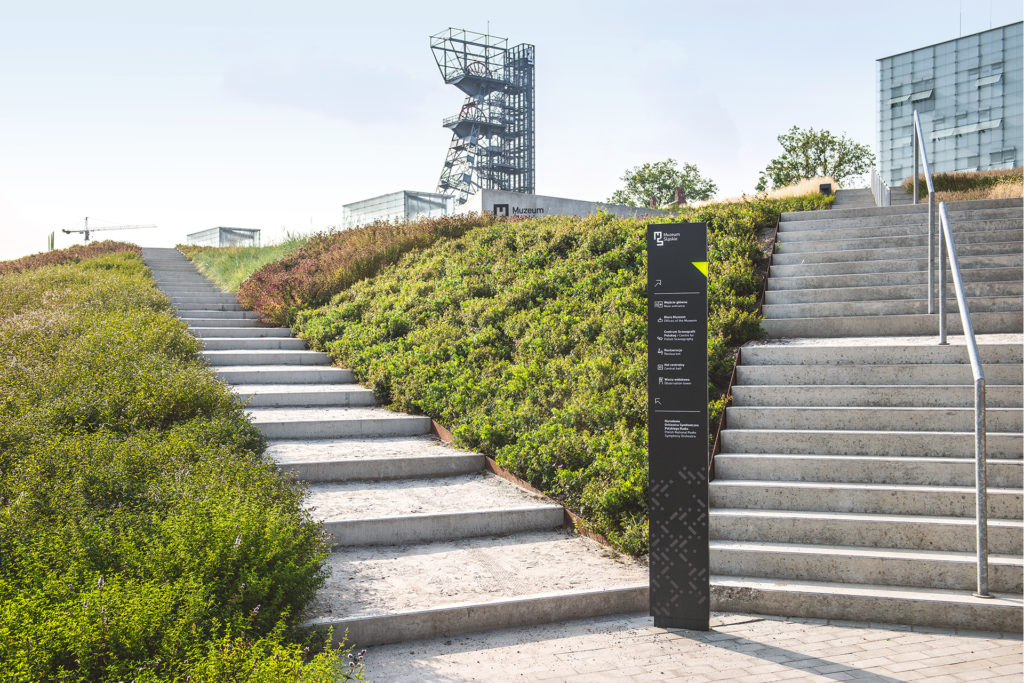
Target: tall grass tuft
[
  {"x": 229, "y": 266},
  {"x": 963, "y": 186}
]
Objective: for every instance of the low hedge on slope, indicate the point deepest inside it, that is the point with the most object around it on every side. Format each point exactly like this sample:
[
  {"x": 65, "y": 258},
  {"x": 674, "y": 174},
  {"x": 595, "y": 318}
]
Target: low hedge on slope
[
  {"x": 73, "y": 254},
  {"x": 142, "y": 534},
  {"x": 529, "y": 340},
  {"x": 329, "y": 262}
]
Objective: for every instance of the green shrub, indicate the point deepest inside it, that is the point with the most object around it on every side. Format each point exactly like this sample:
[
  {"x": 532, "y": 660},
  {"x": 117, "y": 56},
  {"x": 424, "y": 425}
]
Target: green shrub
[
  {"x": 142, "y": 533},
  {"x": 529, "y": 341}
]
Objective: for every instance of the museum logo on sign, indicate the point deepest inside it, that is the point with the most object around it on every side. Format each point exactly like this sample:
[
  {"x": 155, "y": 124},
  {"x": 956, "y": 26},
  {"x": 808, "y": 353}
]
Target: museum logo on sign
[{"x": 504, "y": 210}]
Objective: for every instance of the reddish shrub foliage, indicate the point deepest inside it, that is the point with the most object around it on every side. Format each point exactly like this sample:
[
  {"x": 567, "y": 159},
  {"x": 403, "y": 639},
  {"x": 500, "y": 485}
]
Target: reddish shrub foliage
[
  {"x": 75, "y": 254},
  {"x": 331, "y": 262}
]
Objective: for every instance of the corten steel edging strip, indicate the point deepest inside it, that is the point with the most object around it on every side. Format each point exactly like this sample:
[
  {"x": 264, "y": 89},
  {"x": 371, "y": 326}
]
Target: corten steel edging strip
[
  {"x": 571, "y": 520},
  {"x": 717, "y": 445}
]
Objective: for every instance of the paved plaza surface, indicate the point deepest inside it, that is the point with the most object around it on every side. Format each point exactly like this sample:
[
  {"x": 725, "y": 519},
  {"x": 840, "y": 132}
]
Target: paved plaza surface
[{"x": 738, "y": 648}]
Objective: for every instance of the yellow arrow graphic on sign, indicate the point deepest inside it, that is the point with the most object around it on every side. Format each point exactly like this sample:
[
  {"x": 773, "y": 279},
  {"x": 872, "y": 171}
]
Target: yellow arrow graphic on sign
[{"x": 702, "y": 266}]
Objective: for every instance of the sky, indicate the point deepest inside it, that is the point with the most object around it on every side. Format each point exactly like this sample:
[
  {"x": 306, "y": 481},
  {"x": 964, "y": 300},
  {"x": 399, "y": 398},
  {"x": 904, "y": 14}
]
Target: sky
[{"x": 272, "y": 115}]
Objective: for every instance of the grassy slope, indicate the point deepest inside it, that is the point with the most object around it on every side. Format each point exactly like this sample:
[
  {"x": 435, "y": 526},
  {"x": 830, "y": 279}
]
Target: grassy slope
[
  {"x": 529, "y": 340},
  {"x": 142, "y": 535},
  {"x": 952, "y": 187},
  {"x": 230, "y": 266}
]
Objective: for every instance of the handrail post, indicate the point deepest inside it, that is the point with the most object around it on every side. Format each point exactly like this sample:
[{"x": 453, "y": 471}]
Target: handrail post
[
  {"x": 931, "y": 253},
  {"x": 942, "y": 288},
  {"x": 913, "y": 142},
  {"x": 981, "y": 486}
]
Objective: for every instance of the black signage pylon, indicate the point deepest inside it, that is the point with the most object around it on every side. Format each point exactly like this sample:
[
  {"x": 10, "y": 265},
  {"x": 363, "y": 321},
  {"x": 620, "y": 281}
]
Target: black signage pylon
[{"x": 677, "y": 410}]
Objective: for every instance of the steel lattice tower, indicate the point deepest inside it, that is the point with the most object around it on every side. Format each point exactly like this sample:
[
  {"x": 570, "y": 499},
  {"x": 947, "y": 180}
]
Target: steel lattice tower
[{"x": 493, "y": 135}]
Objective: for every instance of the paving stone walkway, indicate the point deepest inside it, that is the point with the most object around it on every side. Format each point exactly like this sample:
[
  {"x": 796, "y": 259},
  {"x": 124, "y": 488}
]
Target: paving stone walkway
[{"x": 738, "y": 648}]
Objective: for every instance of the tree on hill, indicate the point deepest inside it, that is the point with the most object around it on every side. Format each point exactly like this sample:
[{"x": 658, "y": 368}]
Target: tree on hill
[
  {"x": 660, "y": 180},
  {"x": 810, "y": 153}
]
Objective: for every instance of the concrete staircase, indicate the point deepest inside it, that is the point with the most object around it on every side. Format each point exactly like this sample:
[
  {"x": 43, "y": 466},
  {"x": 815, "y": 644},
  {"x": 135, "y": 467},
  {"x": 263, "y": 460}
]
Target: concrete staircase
[
  {"x": 426, "y": 542},
  {"x": 845, "y": 485},
  {"x": 863, "y": 199}
]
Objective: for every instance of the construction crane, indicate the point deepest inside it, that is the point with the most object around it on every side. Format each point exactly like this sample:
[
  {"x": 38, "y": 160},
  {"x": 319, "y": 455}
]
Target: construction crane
[{"x": 87, "y": 229}]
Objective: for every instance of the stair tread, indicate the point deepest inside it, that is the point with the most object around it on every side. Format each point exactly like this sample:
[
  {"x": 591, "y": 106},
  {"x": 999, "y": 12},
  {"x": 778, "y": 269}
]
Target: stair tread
[
  {"x": 326, "y": 413},
  {"x": 889, "y": 432},
  {"x": 279, "y": 368},
  {"x": 432, "y": 576},
  {"x": 863, "y": 517},
  {"x": 361, "y": 500},
  {"x": 909, "y": 488},
  {"x": 828, "y": 588},
  {"x": 337, "y": 450},
  {"x": 864, "y": 552},
  {"x": 253, "y": 389},
  {"x": 909, "y": 460}
]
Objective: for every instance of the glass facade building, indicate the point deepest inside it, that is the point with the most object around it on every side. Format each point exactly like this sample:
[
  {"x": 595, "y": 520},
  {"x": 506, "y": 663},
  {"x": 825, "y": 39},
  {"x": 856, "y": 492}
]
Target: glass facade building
[
  {"x": 225, "y": 237},
  {"x": 397, "y": 206},
  {"x": 969, "y": 95}
]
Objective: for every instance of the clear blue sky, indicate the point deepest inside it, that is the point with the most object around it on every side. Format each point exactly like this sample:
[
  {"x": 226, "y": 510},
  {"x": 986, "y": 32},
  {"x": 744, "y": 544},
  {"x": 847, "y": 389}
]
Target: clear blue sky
[{"x": 272, "y": 115}]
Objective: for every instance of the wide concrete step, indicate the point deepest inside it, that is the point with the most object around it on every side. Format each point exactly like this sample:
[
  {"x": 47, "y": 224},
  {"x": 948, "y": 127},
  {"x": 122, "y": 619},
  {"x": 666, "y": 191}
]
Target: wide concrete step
[
  {"x": 177, "y": 291},
  {"x": 252, "y": 343},
  {"x": 218, "y": 297},
  {"x": 265, "y": 357},
  {"x": 847, "y": 252},
  {"x": 848, "y": 564},
  {"x": 284, "y": 374},
  {"x": 278, "y": 395},
  {"x": 900, "y": 350},
  {"x": 886, "y": 499},
  {"x": 870, "y": 603},
  {"x": 835, "y": 309},
  {"x": 424, "y": 510},
  {"x": 865, "y": 469},
  {"x": 211, "y": 313},
  {"x": 317, "y": 460},
  {"x": 877, "y": 374},
  {"x": 174, "y": 281},
  {"x": 221, "y": 332},
  {"x": 889, "y": 418},
  {"x": 894, "y": 215},
  {"x": 865, "y": 442},
  {"x": 465, "y": 586},
  {"x": 920, "y": 395},
  {"x": 889, "y": 292},
  {"x": 189, "y": 307},
  {"x": 328, "y": 422},
  {"x": 993, "y": 322},
  {"x": 981, "y": 273},
  {"x": 869, "y": 267},
  {"x": 920, "y": 532},
  {"x": 793, "y": 238},
  {"x": 205, "y": 320}
]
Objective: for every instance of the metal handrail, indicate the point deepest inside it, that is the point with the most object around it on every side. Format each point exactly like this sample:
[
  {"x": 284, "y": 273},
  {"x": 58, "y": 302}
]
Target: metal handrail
[
  {"x": 918, "y": 144},
  {"x": 880, "y": 190},
  {"x": 947, "y": 251},
  {"x": 947, "y": 246}
]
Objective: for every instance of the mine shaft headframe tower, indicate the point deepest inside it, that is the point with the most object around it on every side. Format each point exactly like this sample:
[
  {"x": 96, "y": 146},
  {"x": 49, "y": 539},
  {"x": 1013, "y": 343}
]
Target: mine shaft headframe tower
[{"x": 493, "y": 135}]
